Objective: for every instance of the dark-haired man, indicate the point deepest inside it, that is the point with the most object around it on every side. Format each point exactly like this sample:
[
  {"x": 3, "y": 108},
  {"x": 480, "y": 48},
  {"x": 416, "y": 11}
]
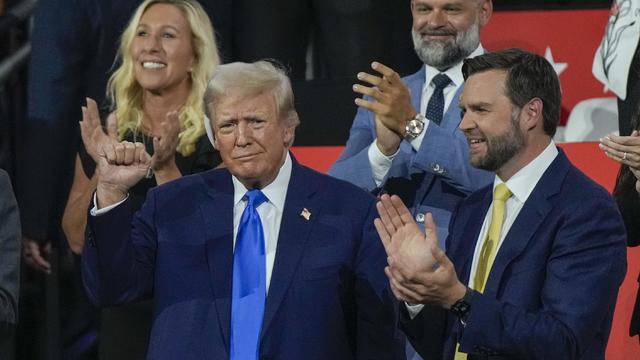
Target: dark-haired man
[{"x": 533, "y": 262}]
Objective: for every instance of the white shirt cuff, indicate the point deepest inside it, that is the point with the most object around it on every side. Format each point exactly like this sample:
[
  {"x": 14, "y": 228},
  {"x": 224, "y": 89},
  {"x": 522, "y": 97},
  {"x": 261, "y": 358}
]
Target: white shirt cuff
[
  {"x": 97, "y": 212},
  {"x": 380, "y": 163},
  {"x": 413, "y": 310},
  {"x": 417, "y": 142}
]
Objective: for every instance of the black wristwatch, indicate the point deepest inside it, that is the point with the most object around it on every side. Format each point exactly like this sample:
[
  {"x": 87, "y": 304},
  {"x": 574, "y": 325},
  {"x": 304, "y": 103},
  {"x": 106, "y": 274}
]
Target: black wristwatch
[{"x": 462, "y": 307}]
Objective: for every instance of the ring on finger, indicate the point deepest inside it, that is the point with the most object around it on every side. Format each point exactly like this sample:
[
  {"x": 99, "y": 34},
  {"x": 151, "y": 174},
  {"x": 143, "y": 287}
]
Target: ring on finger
[{"x": 624, "y": 155}]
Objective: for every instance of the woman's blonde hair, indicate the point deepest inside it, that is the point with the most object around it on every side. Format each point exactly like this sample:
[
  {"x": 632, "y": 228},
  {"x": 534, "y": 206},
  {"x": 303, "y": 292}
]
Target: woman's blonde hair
[{"x": 125, "y": 93}]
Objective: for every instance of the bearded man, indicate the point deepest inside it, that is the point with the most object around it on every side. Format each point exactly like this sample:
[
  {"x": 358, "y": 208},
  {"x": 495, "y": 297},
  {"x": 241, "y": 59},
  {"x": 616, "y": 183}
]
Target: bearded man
[
  {"x": 405, "y": 138},
  {"x": 534, "y": 261}
]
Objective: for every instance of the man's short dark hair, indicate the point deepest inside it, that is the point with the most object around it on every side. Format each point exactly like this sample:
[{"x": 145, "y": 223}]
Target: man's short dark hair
[{"x": 528, "y": 76}]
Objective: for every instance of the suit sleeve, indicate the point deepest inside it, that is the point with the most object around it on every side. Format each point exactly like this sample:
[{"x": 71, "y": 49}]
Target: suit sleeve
[
  {"x": 585, "y": 266},
  {"x": 61, "y": 50},
  {"x": 377, "y": 334},
  {"x": 353, "y": 164},
  {"x": 426, "y": 331},
  {"x": 118, "y": 263},
  {"x": 9, "y": 256},
  {"x": 429, "y": 330},
  {"x": 445, "y": 152}
]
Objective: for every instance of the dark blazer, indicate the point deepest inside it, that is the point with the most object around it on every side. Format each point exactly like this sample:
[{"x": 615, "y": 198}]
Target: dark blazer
[
  {"x": 628, "y": 201},
  {"x": 9, "y": 264},
  {"x": 553, "y": 286},
  {"x": 626, "y": 195},
  {"x": 328, "y": 298}
]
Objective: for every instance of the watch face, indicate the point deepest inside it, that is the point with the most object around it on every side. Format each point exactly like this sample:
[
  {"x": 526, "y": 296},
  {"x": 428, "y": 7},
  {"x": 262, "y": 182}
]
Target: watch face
[
  {"x": 461, "y": 310},
  {"x": 414, "y": 128}
]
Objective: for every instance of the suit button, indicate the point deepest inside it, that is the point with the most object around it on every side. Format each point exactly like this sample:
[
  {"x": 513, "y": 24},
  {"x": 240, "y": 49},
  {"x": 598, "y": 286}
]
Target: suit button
[{"x": 420, "y": 217}]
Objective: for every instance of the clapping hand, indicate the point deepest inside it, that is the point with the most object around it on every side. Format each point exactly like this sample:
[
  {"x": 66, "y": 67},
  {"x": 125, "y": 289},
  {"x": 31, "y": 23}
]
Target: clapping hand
[
  {"x": 165, "y": 142},
  {"x": 623, "y": 149},
  {"x": 390, "y": 101},
  {"x": 392, "y": 97},
  {"x": 93, "y": 135},
  {"x": 408, "y": 249},
  {"x": 418, "y": 271}
]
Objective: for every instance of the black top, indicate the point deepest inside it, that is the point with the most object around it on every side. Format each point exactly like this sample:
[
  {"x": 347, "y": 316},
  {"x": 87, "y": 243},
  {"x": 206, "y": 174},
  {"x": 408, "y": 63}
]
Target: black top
[{"x": 625, "y": 192}]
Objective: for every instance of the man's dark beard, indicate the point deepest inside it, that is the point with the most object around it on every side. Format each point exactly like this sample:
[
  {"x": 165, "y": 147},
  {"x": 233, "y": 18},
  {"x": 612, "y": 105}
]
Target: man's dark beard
[{"x": 501, "y": 148}]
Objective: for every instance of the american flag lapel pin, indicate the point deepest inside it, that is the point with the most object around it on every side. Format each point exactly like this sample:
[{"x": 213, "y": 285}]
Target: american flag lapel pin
[{"x": 306, "y": 214}]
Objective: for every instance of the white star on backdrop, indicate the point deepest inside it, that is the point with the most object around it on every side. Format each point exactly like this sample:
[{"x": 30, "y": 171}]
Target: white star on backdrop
[{"x": 558, "y": 67}]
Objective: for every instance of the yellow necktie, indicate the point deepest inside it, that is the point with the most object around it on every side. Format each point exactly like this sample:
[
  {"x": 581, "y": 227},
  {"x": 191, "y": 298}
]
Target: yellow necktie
[{"x": 488, "y": 251}]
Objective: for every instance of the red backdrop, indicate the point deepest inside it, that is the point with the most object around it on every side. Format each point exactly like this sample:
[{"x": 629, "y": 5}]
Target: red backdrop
[{"x": 572, "y": 36}]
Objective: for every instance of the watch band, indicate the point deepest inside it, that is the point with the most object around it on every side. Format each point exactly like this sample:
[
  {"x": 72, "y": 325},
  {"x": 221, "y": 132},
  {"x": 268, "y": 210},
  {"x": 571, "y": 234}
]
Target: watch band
[{"x": 462, "y": 307}]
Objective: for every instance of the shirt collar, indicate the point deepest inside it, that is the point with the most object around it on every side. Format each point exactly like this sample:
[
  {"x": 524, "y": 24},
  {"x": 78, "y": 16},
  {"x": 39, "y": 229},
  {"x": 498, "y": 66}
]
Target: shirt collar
[
  {"x": 454, "y": 73},
  {"x": 524, "y": 181},
  {"x": 276, "y": 191}
]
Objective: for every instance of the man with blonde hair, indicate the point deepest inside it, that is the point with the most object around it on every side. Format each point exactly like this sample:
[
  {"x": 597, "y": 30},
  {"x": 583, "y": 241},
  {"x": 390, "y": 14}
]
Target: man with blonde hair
[{"x": 262, "y": 259}]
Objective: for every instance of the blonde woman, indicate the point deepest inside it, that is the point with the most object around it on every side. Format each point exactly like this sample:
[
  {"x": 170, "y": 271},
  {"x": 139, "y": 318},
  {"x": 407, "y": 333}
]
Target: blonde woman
[{"x": 167, "y": 54}]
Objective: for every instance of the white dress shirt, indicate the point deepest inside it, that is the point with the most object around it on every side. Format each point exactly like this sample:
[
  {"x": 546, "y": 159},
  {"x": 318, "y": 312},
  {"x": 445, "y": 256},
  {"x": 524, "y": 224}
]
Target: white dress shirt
[
  {"x": 270, "y": 211},
  {"x": 521, "y": 185},
  {"x": 381, "y": 163}
]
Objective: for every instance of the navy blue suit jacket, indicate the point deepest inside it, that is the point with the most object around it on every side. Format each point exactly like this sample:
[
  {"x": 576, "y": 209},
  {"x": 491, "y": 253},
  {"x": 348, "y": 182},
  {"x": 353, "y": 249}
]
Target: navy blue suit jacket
[
  {"x": 433, "y": 179},
  {"x": 328, "y": 298},
  {"x": 553, "y": 286}
]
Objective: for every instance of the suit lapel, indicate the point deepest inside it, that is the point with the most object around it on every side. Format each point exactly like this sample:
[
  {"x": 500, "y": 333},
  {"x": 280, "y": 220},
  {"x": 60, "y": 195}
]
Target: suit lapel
[
  {"x": 529, "y": 220},
  {"x": 451, "y": 118},
  {"x": 294, "y": 232},
  {"x": 415, "y": 83},
  {"x": 450, "y": 121},
  {"x": 217, "y": 213},
  {"x": 466, "y": 243}
]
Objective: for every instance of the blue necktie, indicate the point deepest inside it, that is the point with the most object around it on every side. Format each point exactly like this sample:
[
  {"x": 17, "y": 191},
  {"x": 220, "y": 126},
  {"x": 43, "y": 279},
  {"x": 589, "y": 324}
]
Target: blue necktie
[
  {"x": 435, "y": 107},
  {"x": 249, "y": 281}
]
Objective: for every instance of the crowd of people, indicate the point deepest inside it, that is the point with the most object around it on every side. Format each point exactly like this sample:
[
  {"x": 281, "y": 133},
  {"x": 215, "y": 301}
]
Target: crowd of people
[{"x": 450, "y": 227}]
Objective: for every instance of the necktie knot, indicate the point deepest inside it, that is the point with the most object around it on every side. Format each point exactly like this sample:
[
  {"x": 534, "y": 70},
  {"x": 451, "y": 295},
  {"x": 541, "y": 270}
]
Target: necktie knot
[
  {"x": 254, "y": 198},
  {"x": 441, "y": 81},
  {"x": 502, "y": 193}
]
